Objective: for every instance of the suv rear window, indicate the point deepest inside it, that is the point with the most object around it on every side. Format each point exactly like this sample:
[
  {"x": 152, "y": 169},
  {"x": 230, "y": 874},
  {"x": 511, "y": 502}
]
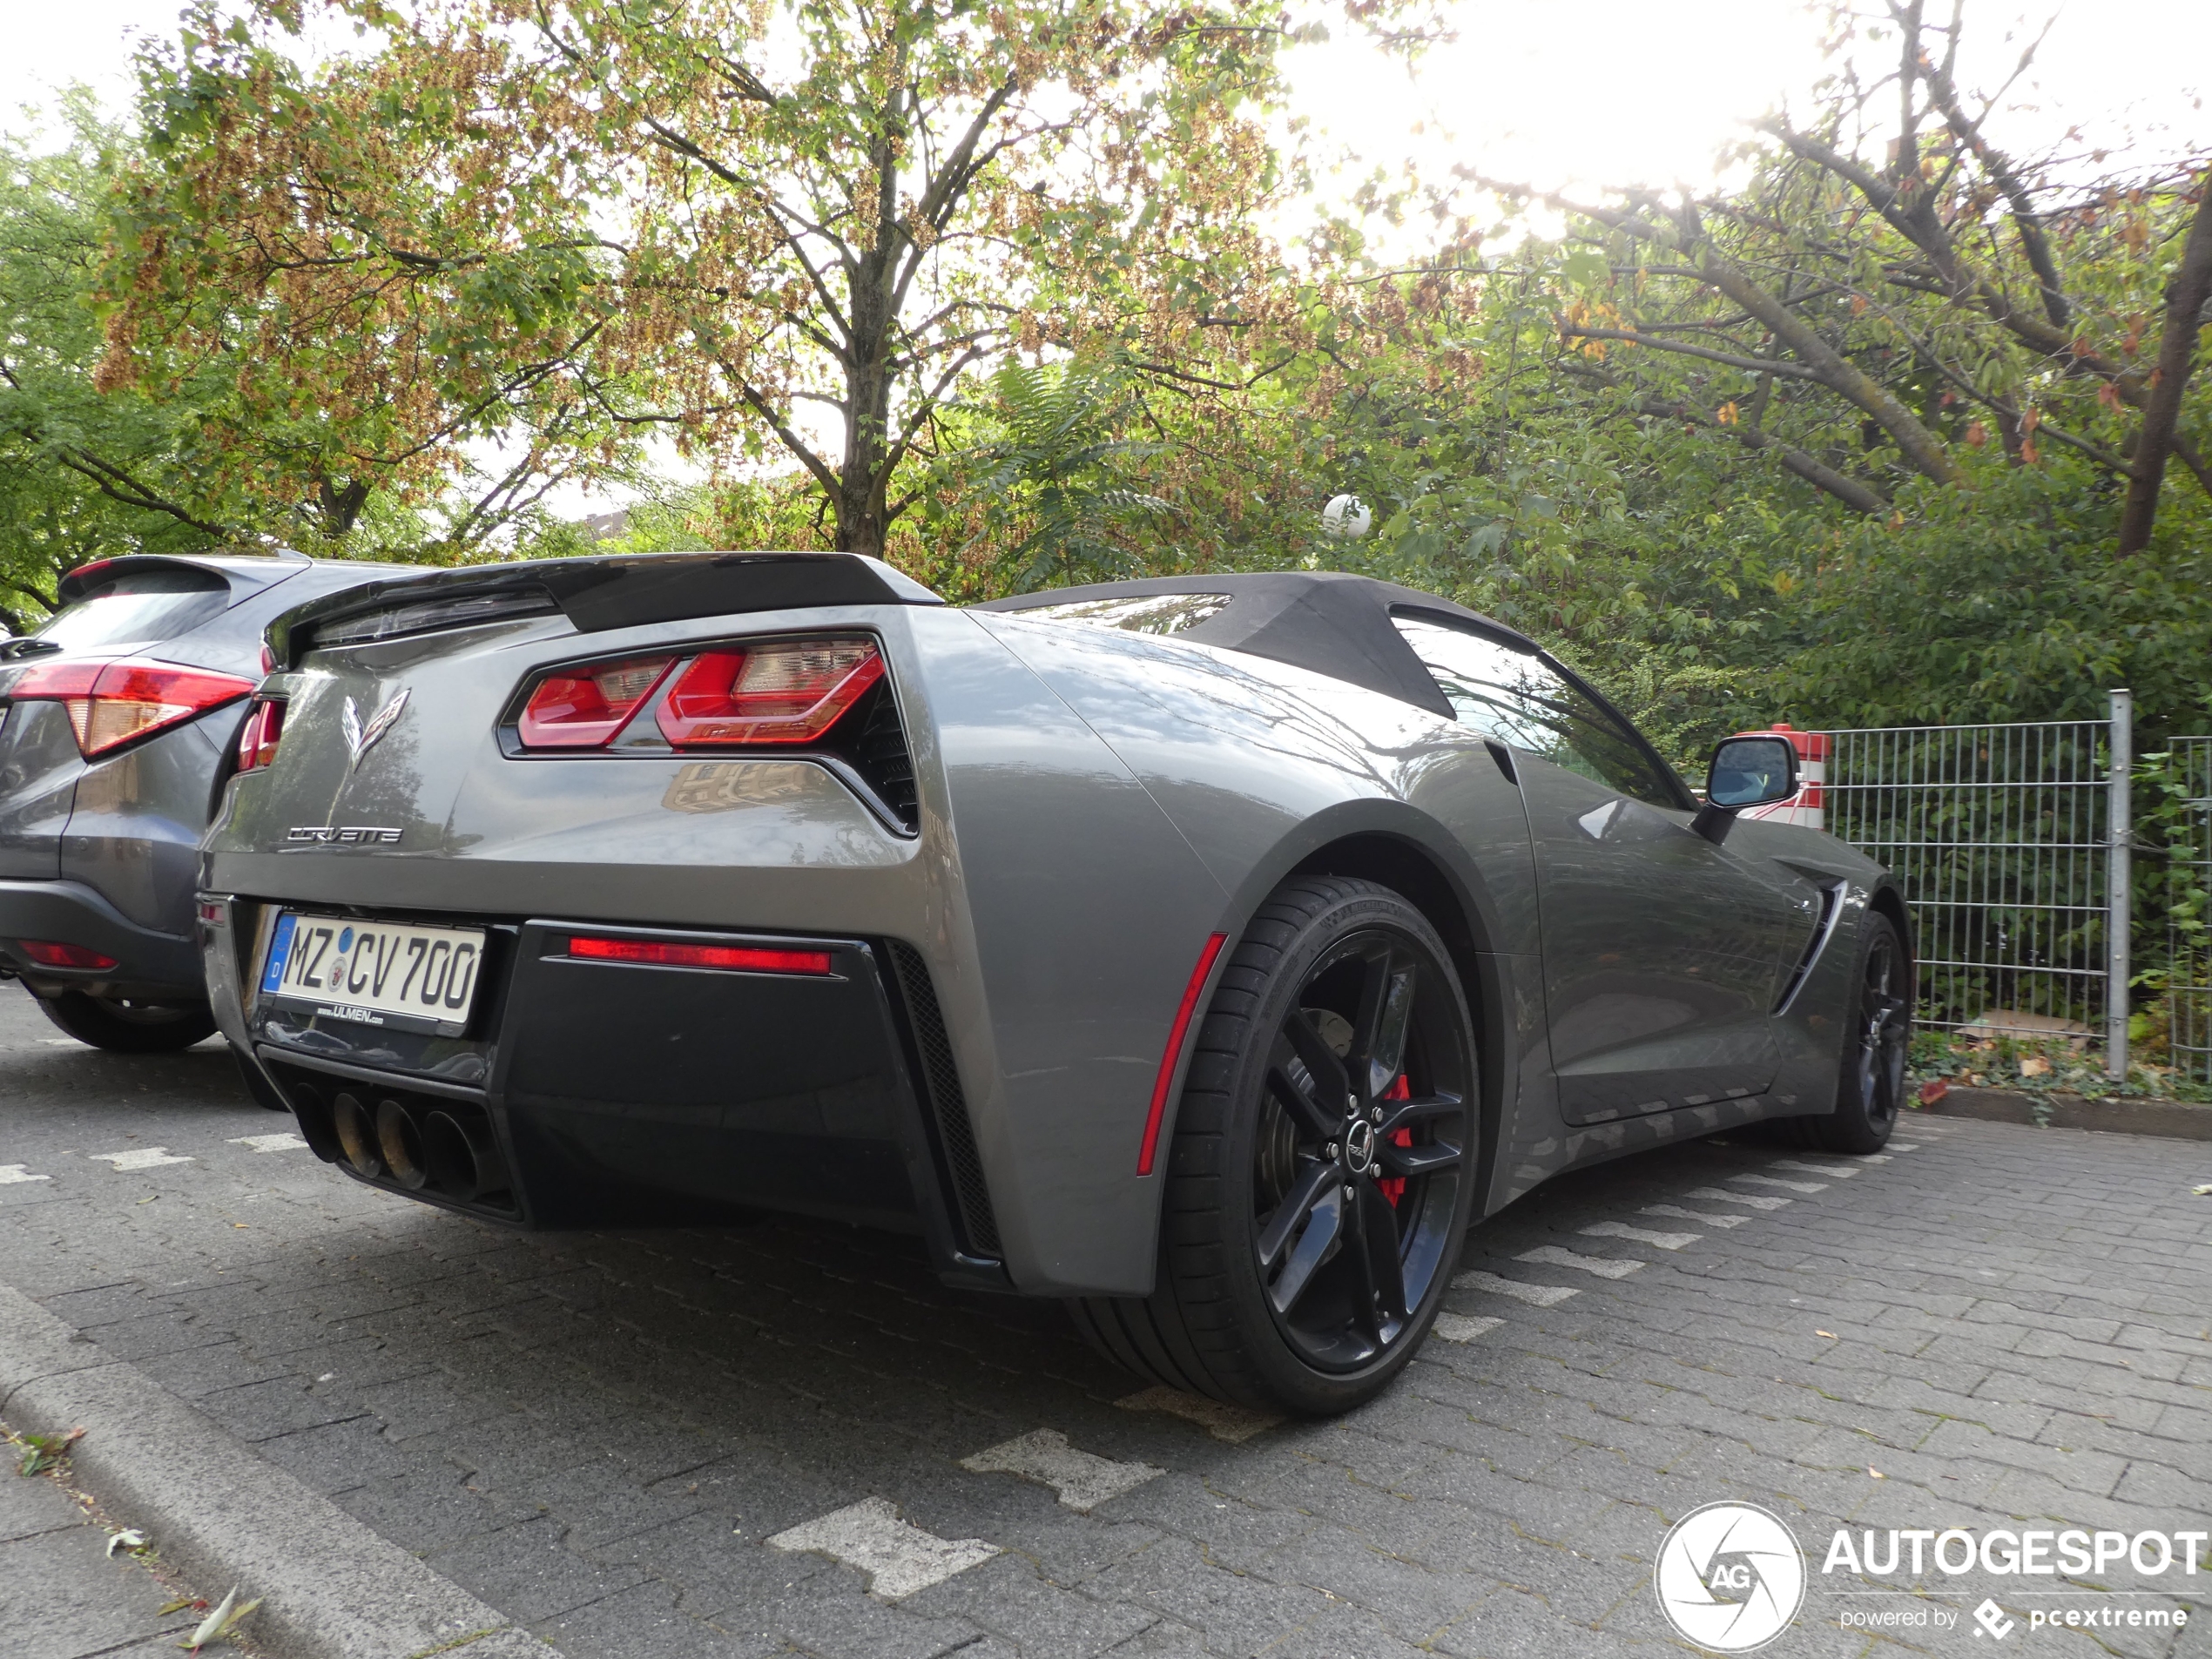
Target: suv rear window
[{"x": 138, "y": 607}]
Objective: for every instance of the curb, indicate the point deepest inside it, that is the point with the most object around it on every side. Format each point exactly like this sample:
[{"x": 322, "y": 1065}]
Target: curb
[
  {"x": 2171, "y": 1119},
  {"x": 223, "y": 1514}
]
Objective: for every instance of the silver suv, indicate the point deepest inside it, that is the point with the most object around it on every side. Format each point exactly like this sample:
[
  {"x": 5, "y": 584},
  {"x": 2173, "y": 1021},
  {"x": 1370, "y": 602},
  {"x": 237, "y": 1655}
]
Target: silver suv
[{"x": 119, "y": 720}]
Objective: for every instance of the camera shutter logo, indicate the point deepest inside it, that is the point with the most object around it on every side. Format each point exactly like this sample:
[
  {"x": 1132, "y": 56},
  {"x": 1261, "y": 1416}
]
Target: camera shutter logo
[{"x": 1731, "y": 1577}]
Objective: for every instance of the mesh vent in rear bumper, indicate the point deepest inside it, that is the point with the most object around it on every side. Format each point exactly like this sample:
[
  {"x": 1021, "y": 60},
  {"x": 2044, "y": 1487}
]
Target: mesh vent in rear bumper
[{"x": 941, "y": 1078}]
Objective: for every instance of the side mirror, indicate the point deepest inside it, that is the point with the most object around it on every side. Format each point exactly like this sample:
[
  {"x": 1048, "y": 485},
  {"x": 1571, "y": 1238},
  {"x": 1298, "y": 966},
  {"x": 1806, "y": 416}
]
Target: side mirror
[{"x": 1745, "y": 773}]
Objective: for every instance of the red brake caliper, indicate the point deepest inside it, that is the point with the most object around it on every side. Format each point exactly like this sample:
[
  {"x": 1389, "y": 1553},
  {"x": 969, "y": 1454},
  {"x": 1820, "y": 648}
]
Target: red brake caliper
[{"x": 1395, "y": 1184}]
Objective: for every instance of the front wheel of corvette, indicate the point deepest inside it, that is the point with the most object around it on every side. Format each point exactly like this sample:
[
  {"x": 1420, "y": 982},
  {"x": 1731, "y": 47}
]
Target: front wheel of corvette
[
  {"x": 1871, "y": 1088},
  {"x": 1323, "y": 1165},
  {"x": 124, "y": 1027}
]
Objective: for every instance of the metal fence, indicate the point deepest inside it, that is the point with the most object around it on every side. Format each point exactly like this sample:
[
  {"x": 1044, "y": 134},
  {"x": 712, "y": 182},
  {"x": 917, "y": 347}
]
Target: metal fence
[
  {"x": 2188, "y": 981},
  {"x": 2001, "y": 837}
]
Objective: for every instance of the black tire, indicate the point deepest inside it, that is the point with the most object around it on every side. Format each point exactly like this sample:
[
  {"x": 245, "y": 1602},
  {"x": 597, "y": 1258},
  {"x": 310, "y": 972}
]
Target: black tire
[
  {"x": 122, "y": 1027},
  {"x": 1299, "y": 1272},
  {"x": 1871, "y": 1090}
]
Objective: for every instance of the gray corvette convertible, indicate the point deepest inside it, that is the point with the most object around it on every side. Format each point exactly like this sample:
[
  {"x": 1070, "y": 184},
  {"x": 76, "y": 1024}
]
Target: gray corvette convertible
[{"x": 1208, "y": 952}]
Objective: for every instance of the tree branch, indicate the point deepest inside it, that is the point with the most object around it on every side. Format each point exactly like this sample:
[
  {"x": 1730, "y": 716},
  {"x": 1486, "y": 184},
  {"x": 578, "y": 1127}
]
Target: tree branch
[{"x": 2186, "y": 298}]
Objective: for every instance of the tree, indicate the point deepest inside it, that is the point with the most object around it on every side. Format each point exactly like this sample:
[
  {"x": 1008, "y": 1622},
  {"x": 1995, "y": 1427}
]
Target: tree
[
  {"x": 1923, "y": 292},
  {"x": 792, "y": 224},
  {"x": 81, "y": 475}
]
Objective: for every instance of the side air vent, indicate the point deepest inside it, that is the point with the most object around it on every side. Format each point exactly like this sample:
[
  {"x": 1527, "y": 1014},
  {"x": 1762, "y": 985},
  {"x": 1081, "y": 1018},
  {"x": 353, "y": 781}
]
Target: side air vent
[
  {"x": 947, "y": 1105},
  {"x": 879, "y": 754},
  {"x": 1831, "y": 909}
]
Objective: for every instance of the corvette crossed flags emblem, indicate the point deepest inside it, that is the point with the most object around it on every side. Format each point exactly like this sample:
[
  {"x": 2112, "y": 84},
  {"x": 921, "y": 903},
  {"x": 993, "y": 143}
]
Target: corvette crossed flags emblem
[{"x": 360, "y": 739}]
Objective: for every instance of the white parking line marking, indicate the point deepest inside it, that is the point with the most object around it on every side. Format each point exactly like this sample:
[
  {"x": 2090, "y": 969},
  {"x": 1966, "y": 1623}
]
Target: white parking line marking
[
  {"x": 1224, "y": 1421},
  {"x": 1641, "y": 1235},
  {"x": 1739, "y": 1198},
  {"x": 1538, "y": 1296},
  {"x": 1905, "y": 1146},
  {"x": 1842, "y": 1172},
  {"x": 1681, "y": 1214},
  {"x": 271, "y": 1143},
  {"x": 897, "y": 1555},
  {"x": 1083, "y": 1479},
  {"x": 143, "y": 1157},
  {"x": 1769, "y": 1181},
  {"x": 12, "y": 1173},
  {"x": 1876, "y": 1157},
  {"x": 1603, "y": 1267},
  {"x": 1460, "y": 1327}
]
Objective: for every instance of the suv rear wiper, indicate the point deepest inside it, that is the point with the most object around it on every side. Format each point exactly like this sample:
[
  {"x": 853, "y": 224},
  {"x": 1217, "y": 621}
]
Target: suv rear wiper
[{"x": 16, "y": 649}]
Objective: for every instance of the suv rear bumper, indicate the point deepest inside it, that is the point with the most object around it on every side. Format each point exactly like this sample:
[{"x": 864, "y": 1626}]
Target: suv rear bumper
[{"x": 151, "y": 964}]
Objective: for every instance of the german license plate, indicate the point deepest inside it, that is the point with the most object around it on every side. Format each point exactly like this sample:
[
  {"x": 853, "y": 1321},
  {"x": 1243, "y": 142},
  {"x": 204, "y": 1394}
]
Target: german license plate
[{"x": 375, "y": 972}]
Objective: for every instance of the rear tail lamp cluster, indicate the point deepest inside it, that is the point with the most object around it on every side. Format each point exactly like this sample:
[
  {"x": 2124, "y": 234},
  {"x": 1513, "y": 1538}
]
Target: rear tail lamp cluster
[
  {"x": 111, "y": 704},
  {"x": 583, "y": 708},
  {"x": 257, "y": 739},
  {"x": 779, "y": 692}
]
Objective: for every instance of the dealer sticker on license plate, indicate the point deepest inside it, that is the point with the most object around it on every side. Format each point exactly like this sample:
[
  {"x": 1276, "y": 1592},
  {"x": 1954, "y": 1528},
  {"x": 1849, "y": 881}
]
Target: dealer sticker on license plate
[{"x": 375, "y": 972}]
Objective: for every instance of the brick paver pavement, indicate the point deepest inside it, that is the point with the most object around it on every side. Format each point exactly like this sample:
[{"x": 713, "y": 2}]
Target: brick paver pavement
[{"x": 682, "y": 1443}]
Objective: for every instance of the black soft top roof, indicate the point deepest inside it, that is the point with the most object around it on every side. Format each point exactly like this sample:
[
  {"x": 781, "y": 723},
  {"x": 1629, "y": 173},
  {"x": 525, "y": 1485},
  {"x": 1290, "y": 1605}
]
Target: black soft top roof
[{"x": 1327, "y": 621}]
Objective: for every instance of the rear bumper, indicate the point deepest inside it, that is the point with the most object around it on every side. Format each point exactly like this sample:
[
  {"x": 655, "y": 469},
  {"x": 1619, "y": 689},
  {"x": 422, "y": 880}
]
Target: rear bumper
[
  {"x": 151, "y": 964},
  {"x": 588, "y": 1093}
]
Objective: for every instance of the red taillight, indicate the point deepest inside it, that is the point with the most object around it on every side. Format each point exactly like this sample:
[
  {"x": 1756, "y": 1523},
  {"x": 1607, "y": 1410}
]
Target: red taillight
[
  {"x": 781, "y": 691},
  {"x": 109, "y": 704},
  {"x": 49, "y": 952},
  {"x": 583, "y": 708},
  {"x": 746, "y": 959},
  {"x": 257, "y": 739}
]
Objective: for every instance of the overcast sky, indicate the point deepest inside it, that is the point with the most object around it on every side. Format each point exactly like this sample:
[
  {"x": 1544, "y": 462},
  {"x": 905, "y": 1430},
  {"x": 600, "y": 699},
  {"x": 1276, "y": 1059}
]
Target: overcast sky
[{"x": 1558, "y": 92}]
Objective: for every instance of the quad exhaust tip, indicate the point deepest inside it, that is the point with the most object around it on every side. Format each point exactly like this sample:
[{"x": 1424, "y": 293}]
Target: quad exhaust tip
[
  {"x": 402, "y": 1145},
  {"x": 453, "y": 1154}
]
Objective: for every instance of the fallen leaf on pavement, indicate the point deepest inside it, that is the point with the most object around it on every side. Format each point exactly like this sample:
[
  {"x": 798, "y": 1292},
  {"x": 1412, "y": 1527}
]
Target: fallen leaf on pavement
[
  {"x": 179, "y": 1606},
  {"x": 128, "y": 1538},
  {"x": 221, "y": 1624},
  {"x": 2204, "y": 1191},
  {"x": 1875, "y": 1472},
  {"x": 1831, "y": 1335}
]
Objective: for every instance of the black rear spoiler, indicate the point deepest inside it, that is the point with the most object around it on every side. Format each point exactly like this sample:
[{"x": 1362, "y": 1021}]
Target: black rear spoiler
[{"x": 594, "y": 594}]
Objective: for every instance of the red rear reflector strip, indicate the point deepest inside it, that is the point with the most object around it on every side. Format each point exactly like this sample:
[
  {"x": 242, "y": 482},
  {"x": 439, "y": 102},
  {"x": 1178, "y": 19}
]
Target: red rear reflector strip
[
  {"x": 781, "y": 690},
  {"x": 745, "y": 958},
  {"x": 1176, "y": 1034},
  {"x": 48, "y": 953}
]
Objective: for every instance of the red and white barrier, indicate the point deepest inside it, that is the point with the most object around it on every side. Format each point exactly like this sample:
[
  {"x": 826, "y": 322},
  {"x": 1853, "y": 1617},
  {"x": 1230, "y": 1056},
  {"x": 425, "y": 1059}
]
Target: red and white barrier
[{"x": 1808, "y": 806}]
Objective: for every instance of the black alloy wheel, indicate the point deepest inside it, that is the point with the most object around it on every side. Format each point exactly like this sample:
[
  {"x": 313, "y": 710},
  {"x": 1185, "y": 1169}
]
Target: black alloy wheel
[
  {"x": 1323, "y": 1164},
  {"x": 1871, "y": 1091}
]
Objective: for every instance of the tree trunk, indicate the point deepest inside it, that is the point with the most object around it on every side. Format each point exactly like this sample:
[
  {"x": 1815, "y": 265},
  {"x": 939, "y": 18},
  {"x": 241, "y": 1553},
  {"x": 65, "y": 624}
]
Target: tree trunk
[{"x": 2186, "y": 297}]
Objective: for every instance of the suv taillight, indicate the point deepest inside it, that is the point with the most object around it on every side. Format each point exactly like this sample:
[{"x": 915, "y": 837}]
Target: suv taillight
[
  {"x": 779, "y": 692},
  {"x": 257, "y": 739},
  {"x": 583, "y": 708},
  {"x": 112, "y": 704}
]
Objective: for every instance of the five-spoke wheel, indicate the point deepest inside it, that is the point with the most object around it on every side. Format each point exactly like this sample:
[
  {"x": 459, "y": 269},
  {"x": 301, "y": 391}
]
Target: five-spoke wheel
[
  {"x": 1871, "y": 1088},
  {"x": 1322, "y": 1167}
]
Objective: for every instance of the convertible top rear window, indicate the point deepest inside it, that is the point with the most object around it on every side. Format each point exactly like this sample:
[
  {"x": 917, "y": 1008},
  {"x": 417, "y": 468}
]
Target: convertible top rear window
[
  {"x": 1150, "y": 613},
  {"x": 1513, "y": 695}
]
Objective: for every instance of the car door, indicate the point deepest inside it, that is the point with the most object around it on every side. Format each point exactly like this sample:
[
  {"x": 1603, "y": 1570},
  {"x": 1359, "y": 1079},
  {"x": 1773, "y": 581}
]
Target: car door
[{"x": 1663, "y": 954}]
